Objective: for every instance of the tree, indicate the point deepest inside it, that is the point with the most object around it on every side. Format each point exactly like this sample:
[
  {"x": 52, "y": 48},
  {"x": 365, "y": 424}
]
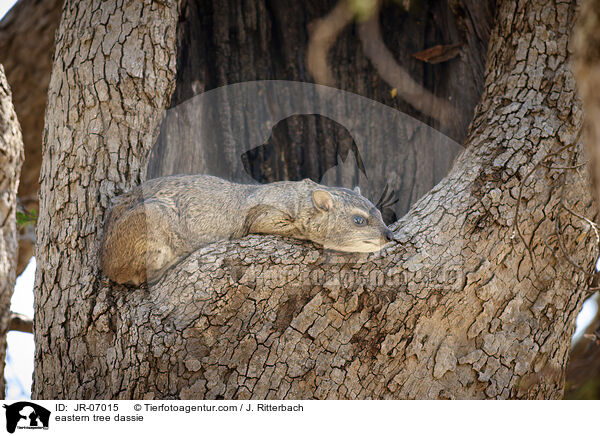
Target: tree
[
  {"x": 26, "y": 46},
  {"x": 478, "y": 301},
  {"x": 11, "y": 158}
]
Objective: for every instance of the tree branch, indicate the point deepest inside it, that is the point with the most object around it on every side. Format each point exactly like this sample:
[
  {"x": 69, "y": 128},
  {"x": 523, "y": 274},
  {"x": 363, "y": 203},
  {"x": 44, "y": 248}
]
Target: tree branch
[
  {"x": 397, "y": 77},
  {"x": 26, "y": 47},
  {"x": 11, "y": 158},
  {"x": 20, "y": 323},
  {"x": 323, "y": 33}
]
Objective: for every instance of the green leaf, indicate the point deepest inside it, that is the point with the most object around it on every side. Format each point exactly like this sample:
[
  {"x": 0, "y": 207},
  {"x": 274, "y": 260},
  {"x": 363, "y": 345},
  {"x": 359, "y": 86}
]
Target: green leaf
[{"x": 27, "y": 218}]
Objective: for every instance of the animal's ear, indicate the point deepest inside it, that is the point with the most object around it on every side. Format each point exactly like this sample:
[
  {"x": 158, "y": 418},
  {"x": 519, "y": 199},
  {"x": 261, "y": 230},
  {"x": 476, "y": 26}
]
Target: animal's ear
[
  {"x": 357, "y": 189},
  {"x": 322, "y": 200}
]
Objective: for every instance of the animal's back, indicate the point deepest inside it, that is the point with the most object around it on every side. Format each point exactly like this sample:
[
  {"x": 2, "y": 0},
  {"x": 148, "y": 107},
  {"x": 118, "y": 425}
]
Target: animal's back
[{"x": 151, "y": 227}]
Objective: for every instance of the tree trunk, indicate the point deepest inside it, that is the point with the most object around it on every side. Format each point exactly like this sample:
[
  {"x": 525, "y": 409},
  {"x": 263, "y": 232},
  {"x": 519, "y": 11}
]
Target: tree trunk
[
  {"x": 11, "y": 158},
  {"x": 478, "y": 301},
  {"x": 113, "y": 75},
  {"x": 231, "y": 42},
  {"x": 26, "y": 47}
]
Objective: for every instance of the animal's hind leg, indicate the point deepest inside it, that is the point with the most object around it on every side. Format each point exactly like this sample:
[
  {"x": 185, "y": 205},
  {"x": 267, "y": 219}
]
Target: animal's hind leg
[
  {"x": 164, "y": 244},
  {"x": 141, "y": 242}
]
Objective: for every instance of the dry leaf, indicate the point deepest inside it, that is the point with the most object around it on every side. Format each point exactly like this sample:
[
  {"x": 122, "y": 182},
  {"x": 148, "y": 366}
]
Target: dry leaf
[{"x": 438, "y": 53}]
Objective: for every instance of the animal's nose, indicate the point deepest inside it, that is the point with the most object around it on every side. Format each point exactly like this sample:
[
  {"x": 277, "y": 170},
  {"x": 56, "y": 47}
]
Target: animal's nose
[{"x": 388, "y": 235}]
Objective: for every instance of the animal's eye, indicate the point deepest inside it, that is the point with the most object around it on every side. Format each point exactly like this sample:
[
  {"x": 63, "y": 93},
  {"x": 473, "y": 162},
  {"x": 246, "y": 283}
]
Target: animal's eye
[{"x": 359, "y": 220}]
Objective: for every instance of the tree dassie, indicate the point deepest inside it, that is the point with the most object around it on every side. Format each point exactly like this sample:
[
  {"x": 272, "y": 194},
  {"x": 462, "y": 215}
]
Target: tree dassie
[{"x": 158, "y": 223}]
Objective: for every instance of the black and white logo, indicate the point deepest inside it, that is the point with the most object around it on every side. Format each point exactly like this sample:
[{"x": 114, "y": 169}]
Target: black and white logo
[{"x": 26, "y": 415}]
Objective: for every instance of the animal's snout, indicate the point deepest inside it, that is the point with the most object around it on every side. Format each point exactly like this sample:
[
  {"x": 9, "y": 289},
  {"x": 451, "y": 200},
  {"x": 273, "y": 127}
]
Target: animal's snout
[{"x": 388, "y": 235}]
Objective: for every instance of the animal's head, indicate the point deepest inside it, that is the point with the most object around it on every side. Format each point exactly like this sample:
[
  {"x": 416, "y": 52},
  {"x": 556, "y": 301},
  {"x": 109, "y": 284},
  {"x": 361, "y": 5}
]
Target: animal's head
[{"x": 344, "y": 220}]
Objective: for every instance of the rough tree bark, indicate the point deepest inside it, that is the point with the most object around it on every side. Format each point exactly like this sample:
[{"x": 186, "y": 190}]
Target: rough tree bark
[
  {"x": 478, "y": 301},
  {"x": 11, "y": 158},
  {"x": 113, "y": 74}
]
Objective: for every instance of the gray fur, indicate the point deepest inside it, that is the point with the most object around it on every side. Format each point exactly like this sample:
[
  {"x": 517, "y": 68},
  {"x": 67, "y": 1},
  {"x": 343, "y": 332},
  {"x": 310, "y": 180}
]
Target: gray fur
[{"x": 158, "y": 223}]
